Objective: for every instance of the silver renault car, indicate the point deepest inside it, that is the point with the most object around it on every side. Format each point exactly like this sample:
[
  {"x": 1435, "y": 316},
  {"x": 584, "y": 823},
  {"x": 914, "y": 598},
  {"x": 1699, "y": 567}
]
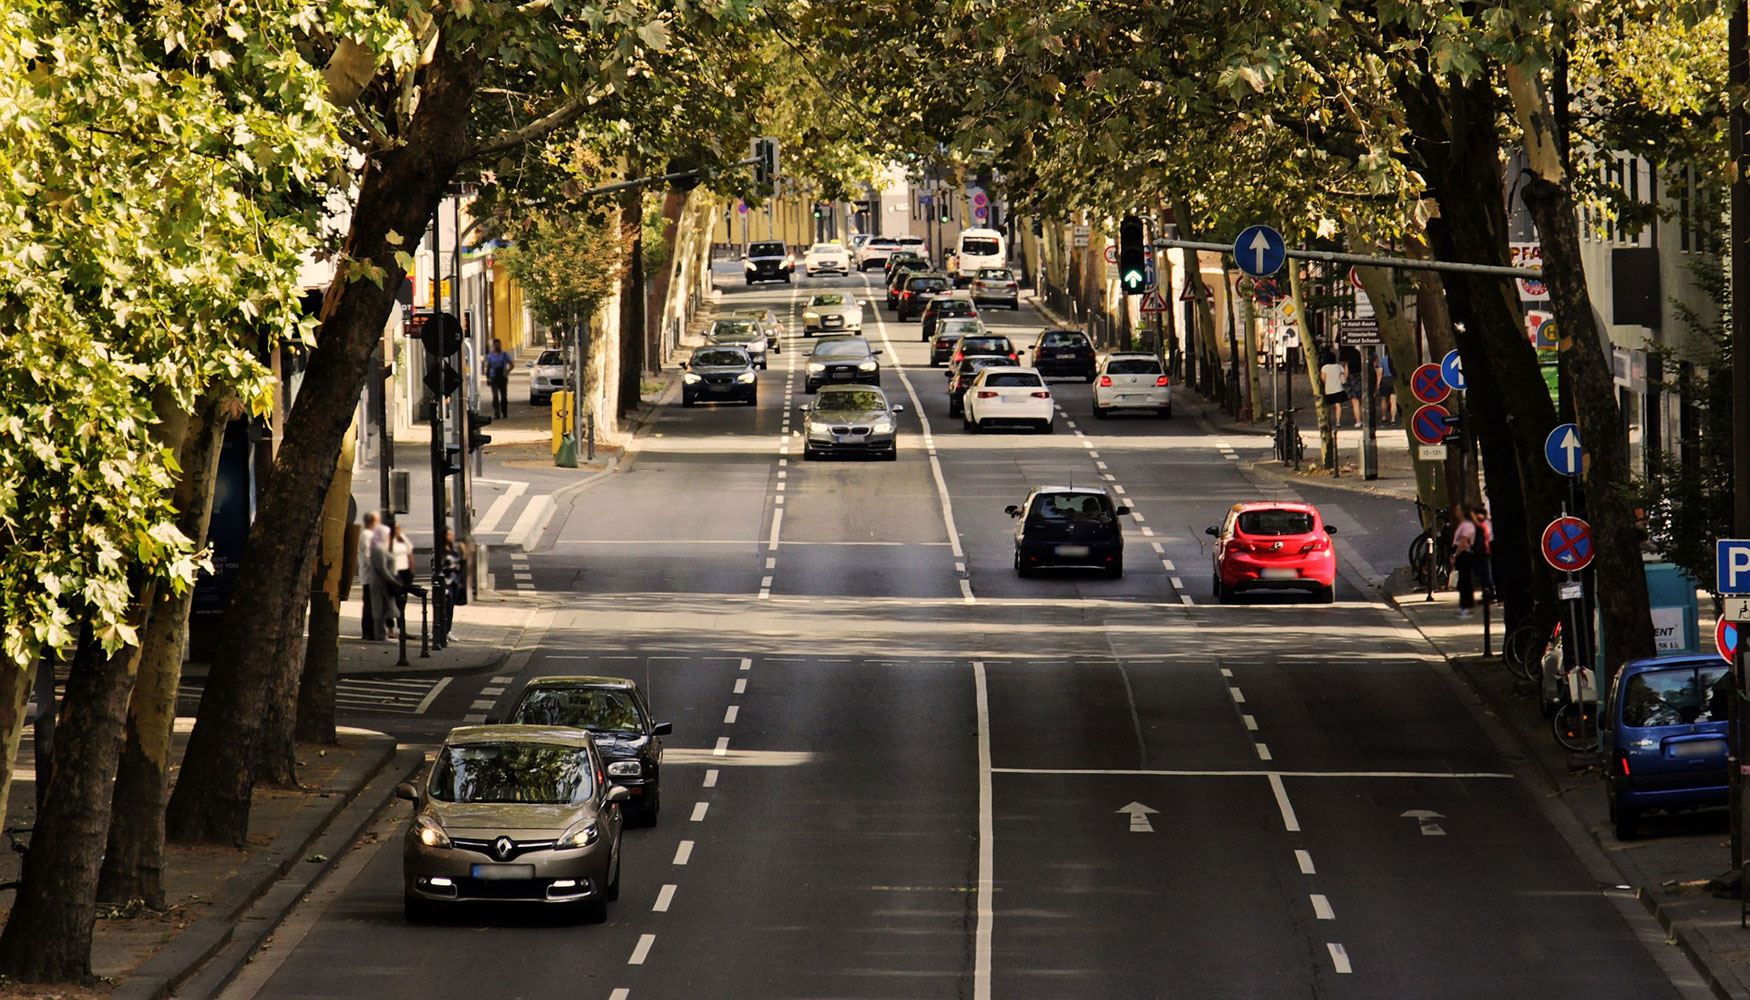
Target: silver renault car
[{"x": 517, "y": 813}]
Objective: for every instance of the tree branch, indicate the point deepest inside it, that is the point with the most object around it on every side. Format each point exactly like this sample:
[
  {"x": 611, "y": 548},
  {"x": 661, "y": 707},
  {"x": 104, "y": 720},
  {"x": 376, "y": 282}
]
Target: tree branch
[{"x": 510, "y": 139}]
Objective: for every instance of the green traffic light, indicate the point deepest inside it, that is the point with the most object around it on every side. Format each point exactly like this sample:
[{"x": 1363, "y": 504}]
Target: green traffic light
[{"x": 1133, "y": 278}]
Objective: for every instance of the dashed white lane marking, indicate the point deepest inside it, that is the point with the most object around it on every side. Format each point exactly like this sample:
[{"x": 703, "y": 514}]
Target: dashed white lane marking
[
  {"x": 777, "y": 522},
  {"x": 1225, "y": 672},
  {"x": 1186, "y": 599},
  {"x": 1263, "y": 751},
  {"x": 1100, "y": 465},
  {"x": 683, "y": 852},
  {"x": 1117, "y": 489},
  {"x": 1322, "y": 907},
  {"x": 1251, "y": 723},
  {"x": 1178, "y": 584},
  {"x": 986, "y": 916},
  {"x": 779, "y": 499},
  {"x": 747, "y": 663},
  {"x": 1168, "y": 565},
  {"x": 1158, "y": 547},
  {"x": 503, "y": 680},
  {"x": 1304, "y": 859},
  {"x": 1231, "y": 457},
  {"x": 620, "y": 994},
  {"x": 1234, "y": 692},
  {"x": 1135, "y": 516},
  {"x": 771, "y": 563},
  {"x": 1339, "y": 958},
  {"x": 664, "y": 897},
  {"x": 710, "y": 777},
  {"x": 483, "y": 704},
  {"x": 741, "y": 685},
  {"x": 490, "y": 690},
  {"x": 722, "y": 748},
  {"x": 1149, "y": 532},
  {"x": 642, "y": 951},
  {"x": 766, "y": 582},
  {"x": 699, "y": 809},
  {"x": 473, "y": 718},
  {"x": 730, "y": 714},
  {"x": 1092, "y": 453},
  {"x": 1290, "y": 821}
]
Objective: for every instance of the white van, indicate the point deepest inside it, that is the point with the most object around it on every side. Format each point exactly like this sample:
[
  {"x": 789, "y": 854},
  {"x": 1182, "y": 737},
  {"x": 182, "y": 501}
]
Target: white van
[{"x": 979, "y": 248}]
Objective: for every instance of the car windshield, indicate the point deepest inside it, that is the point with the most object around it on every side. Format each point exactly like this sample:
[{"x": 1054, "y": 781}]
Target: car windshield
[
  {"x": 850, "y": 401},
  {"x": 841, "y": 349},
  {"x": 765, "y": 249},
  {"x": 1275, "y": 522},
  {"x": 928, "y": 284},
  {"x": 910, "y": 241},
  {"x": 732, "y": 331},
  {"x": 952, "y": 307},
  {"x": 827, "y": 300},
  {"x": 995, "y": 274},
  {"x": 1013, "y": 379},
  {"x": 959, "y": 328},
  {"x": 550, "y": 358},
  {"x": 1675, "y": 697},
  {"x": 989, "y": 345},
  {"x": 1063, "y": 338},
  {"x": 720, "y": 359},
  {"x": 1072, "y": 507},
  {"x": 979, "y": 247},
  {"x": 512, "y": 771},
  {"x": 600, "y": 710},
  {"x": 1133, "y": 366},
  {"x": 972, "y": 366}
]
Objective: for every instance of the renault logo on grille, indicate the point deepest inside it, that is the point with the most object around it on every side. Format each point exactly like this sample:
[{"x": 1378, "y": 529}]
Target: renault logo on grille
[{"x": 502, "y": 847}]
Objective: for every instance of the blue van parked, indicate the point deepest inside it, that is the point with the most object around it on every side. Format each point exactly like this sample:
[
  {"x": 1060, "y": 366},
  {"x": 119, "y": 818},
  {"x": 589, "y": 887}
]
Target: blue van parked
[{"x": 1665, "y": 745}]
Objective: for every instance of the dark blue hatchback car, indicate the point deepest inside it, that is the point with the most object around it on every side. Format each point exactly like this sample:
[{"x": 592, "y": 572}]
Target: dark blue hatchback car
[{"x": 1666, "y": 738}]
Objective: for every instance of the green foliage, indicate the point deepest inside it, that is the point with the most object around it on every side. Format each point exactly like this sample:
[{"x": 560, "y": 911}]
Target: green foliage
[
  {"x": 568, "y": 264},
  {"x": 160, "y": 179}
]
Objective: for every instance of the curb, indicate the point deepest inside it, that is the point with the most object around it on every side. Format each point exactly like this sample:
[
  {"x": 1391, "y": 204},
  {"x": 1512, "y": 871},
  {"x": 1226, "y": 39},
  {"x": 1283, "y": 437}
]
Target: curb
[{"x": 273, "y": 879}]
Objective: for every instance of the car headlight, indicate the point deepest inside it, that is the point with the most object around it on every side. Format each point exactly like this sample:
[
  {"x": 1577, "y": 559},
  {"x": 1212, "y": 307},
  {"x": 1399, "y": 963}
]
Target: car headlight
[
  {"x": 815, "y": 427},
  {"x": 811, "y": 317},
  {"x": 867, "y": 366},
  {"x": 430, "y": 832},
  {"x": 689, "y": 378},
  {"x": 626, "y": 769},
  {"x": 580, "y": 835},
  {"x": 751, "y": 266},
  {"x": 815, "y": 368},
  {"x": 883, "y": 427},
  {"x": 743, "y": 377}
]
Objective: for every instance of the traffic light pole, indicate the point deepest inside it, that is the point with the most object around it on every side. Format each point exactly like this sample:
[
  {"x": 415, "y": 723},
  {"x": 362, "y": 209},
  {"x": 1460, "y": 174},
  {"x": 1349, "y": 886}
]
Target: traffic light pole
[
  {"x": 460, "y": 504},
  {"x": 1738, "y": 74},
  {"x": 439, "y": 458}
]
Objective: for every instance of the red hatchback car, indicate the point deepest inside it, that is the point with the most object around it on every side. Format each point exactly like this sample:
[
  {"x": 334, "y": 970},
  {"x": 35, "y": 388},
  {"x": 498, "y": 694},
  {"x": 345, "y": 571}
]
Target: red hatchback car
[{"x": 1274, "y": 546}]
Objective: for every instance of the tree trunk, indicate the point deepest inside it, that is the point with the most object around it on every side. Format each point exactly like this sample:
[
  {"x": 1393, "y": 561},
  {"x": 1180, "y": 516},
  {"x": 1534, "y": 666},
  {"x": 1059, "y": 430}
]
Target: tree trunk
[
  {"x": 631, "y": 297},
  {"x": 263, "y": 626},
  {"x": 1619, "y": 579},
  {"x": 657, "y": 304},
  {"x": 48, "y": 933},
  {"x": 1309, "y": 352},
  {"x": 315, "y": 721},
  {"x": 133, "y": 862}
]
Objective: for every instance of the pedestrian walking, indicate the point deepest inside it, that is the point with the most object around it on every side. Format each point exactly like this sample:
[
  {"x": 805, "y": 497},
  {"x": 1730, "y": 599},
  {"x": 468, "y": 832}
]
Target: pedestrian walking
[
  {"x": 1352, "y": 384},
  {"x": 1331, "y": 376},
  {"x": 1388, "y": 387},
  {"x": 1465, "y": 550},
  {"x": 372, "y": 625},
  {"x": 401, "y": 552},
  {"x": 498, "y": 365},
  {"x": 1484, "y": 550},
  {"x": 385, "y": 588}
]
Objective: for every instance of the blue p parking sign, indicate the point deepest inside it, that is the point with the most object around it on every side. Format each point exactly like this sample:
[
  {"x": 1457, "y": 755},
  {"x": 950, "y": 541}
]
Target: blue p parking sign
[{"x": 1732, "y": 566}]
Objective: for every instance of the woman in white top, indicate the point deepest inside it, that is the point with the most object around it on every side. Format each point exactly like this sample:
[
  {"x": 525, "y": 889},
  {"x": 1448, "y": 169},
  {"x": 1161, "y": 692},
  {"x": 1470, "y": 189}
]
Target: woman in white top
[{"x": 1331, "y": 374}]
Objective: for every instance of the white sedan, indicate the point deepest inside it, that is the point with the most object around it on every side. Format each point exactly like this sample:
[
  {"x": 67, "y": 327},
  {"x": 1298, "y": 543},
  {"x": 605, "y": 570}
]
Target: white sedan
[
  {"x": 1132, "y": 382},
  {"x": 1009, "y": 396},
  {"x": 826, "y": 258}
]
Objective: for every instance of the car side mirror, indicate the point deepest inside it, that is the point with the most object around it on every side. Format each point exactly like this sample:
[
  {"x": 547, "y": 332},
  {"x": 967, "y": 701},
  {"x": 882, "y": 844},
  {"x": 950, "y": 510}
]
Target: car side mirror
[
  {"x": 802, "y": 409},
  {"x": 662, "y": 729},
  {"x": 619, "y": 794},
  {"x": 1330, "y": 529},
  {"x": 683, "y": 364},
  {"x": 1123, "y": 511},
  {"x": 1012, "y": 510},
  {"x": 1211, "y": 532},
  {"x": 899, "y": 407},
  {"x": 405, "y": 790}
]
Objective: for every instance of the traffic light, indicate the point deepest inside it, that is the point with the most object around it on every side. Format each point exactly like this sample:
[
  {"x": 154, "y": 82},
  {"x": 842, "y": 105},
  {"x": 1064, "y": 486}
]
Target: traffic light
[
  {"x": 441, "y": 334},
  {"x": 477, "y": 440},
  {"x": 817, "y": 209},
  {"x": 765, "y": 155},
  {"x": 1132, "y": 256}
]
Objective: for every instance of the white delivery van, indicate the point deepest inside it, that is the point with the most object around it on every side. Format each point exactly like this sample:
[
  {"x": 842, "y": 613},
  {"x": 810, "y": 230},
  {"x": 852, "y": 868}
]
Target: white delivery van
[{"x": 979, "y": 248}]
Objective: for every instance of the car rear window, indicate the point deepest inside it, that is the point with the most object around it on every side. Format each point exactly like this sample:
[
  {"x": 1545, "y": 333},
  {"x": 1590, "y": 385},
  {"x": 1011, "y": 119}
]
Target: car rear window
[
  {"x": 979, "y": 247},
  {"x": 995, "y": 274},
  {"x": 972, "y": 366},
  {"x": 927, "y": 284},
  {"x": 828, "y": 248},
  {"x": 1675, "y": 697},
  {"x": 765, "y": 249},
  {"x": 1133, "y": 366},
  {"x": 1024, "y": 379},
  {"x": 954, "y": 307},
  {"x": 909, "y": 241},
  {"x": 1275, "y": 522},
  {"x": 1063, "y": 338},
  {"x": 1072, "y": 507},
  {"x": 994, "y": 345}
]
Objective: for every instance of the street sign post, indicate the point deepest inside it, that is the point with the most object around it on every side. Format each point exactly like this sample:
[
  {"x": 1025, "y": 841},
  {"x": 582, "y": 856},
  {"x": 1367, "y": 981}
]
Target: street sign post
[
  {"x": 1567, "y": 544},
  {"x": 1427, "y": 385},
  {"x": 1564, "y": 453},
  {"x": 1260, "y": 251},
  {"x": 1358, "y": 332},
  {"x": 1452, "y": 370},
  {"x": 1732, "y": 566},
  {"x": 1429, "y": 424}
]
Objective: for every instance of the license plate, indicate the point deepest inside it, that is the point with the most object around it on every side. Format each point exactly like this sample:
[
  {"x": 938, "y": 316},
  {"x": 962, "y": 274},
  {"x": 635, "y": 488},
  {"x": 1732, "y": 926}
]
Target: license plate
[
  {"x": 1073, "y": 551},
  {"x": 1697, "y": 748},
  {"x": 852, "y": 438},
  {"x": 502, "y": 873},
  {"x": 1281, "y": 574}
]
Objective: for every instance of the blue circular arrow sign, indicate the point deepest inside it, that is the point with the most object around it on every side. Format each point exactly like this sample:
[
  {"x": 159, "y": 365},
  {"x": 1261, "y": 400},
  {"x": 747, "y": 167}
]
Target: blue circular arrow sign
[
  {"x": 1563, "y": 451},
  {"x": 1260, "y": 251},
  {"x": 1452, "y": 370}
]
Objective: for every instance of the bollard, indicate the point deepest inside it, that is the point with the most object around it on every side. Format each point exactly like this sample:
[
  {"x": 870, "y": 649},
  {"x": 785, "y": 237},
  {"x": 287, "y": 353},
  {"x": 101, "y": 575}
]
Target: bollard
[
  {"x": 424, "y": 626},
  {"x": 401, "y": 629},
  {"x": 1488, "y": 650}
]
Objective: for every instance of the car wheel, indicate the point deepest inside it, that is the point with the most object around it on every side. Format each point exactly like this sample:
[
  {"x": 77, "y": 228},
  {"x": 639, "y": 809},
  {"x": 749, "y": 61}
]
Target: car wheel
[
  {"x": 954, "y": 408},
  {"x": 750, "y": 281},
  {"x": 1048, "y": 426},
  {"x": 1116, "y": 570},
  {"x": 753, "y": 399},
  {"x": 1021, "y": 568},
  {"x": 687, "y": 400},
  {"x": 809, "y": 454},
  {"x": 1102, "y": 412},
  {"x": 1624, "y": 820},
  {"x": 967, "y": 424},
  {"x": 418, "y": 911},
  {"x": 1326, "y": 594},
  {"x": 891, "y": 455},
  {"x": 1168, "y": 412}
]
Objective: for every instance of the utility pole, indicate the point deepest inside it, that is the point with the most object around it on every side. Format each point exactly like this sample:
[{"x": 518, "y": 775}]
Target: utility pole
[
  {"x": 1738, "y": 74},
  {"x": 439, "y": 460},
  {"x": 464, "y": 396}
]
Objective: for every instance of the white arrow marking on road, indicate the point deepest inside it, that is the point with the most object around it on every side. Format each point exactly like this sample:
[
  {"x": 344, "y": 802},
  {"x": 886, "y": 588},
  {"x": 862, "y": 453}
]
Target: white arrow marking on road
[
  {"x": 1425, "y": 818},
  {"x": 1569, "y": 444},
  {"x": 1260, "y": 243},
  {"x": 1139, "y": 814}
]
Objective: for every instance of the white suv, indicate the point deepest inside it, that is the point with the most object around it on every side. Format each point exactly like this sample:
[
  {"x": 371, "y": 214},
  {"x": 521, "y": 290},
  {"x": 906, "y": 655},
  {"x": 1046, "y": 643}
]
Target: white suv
[{"x": 1132, "y": 382}]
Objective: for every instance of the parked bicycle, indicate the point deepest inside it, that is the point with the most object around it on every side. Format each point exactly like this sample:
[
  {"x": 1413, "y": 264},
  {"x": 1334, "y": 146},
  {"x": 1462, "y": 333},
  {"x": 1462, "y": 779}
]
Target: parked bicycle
[
  {"x": 1290, "y": 449},
  {"x": 1524, "y": 648},
  {"x": 1430, "y": 552},
  {"x": 1575, "y": 720}
]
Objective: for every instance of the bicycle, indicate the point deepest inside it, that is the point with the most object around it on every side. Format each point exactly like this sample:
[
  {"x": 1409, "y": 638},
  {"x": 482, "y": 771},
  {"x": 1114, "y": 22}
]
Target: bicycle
[
  {"x": 1290, "y": 449},
  {"x": 1430, "y": 552},
  {"x": 1575, "y": 722},
  {"x": 1524, "y": 647}
]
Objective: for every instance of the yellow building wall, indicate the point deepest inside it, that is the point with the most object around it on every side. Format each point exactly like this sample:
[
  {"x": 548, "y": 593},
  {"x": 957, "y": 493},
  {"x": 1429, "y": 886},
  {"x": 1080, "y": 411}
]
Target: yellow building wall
[{"x": 508, "y": 311}]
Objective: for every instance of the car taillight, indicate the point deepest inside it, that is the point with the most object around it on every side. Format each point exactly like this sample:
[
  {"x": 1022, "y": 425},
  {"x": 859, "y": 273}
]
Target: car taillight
[
  {"x": 1316, "y": 545},
  {"x": 1011, "y": 286},
  {"x": 1238, "y": 546},
  {"x": 959, "y": 355},
  {"x": 1042, "y": 395},
  {"x": 905, "y": 295},
  {"x": 1013, "y": 356},
  {"x": 1162, "y": 381},
  {"x": 1106, "y": 381},
  {"x": 986, "y": 394}
]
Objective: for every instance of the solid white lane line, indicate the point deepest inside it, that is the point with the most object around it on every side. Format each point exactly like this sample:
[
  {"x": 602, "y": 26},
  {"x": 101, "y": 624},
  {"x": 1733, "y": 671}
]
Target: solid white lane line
[
  {"x": 640, "y": 953},
  {"x": 1234, "y": 692},
  {"x": 1249, "y": 773},
  {"x": 1289, "y": 820},
  {"x": 981, "y": 948},
  {"x": 699, "y": 809},
  {"x": 1339, "y": 958},
  {"x": 1322, "y": 907},
  {"x": 730, "y": 714},
  {"x": 747, "y": 663},
  {"x": 722, "y": 748},
  {"x": 683, "y": 852},
  {"x": 1304, "y": 859},
  {"x": 711, "y": 777},
  {"x": 431, "y": 696},
  {"x": 664, "y": 897},
  {"x": 1251, "y": 723},
  {"x": 741, "y": 685},
  {"x": 1263, "y": 751}
]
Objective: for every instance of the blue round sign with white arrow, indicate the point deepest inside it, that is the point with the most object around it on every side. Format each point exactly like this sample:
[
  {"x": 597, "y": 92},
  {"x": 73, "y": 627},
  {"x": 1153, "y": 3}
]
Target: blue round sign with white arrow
[
  {"x": 1452, "y": 370},
  {"x": 1563, "y": 450},
  {"x": 1260, "y": 251}
]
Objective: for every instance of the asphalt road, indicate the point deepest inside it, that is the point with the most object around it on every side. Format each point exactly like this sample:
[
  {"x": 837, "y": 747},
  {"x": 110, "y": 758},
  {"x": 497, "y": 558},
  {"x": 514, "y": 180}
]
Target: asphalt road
[{"x": 898, "y": 770}]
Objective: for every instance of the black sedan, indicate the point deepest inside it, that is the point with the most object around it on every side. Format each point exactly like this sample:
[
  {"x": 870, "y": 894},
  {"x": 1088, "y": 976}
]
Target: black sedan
[
  {"x": 842, "y": 361},
  {"x": 720, "y": 373},
  {"x": 614, "y": 711},
  {"x": 851, "y": 420},
  {"x": 964, "y": 371},
  {"x": 1071, "y": 526}
]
